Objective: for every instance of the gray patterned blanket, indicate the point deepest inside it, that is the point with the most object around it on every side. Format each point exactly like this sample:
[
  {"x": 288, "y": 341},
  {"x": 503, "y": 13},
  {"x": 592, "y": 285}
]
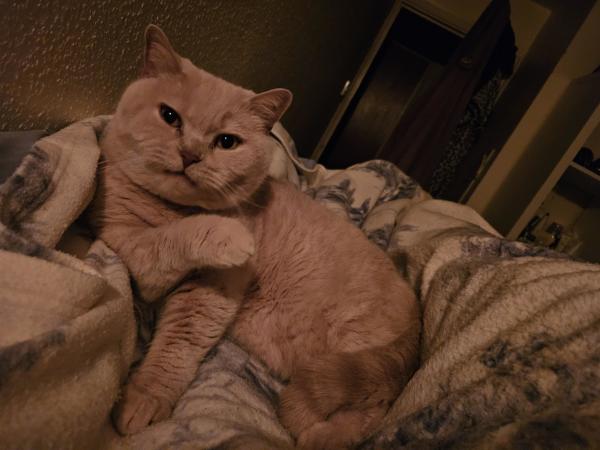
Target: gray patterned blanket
[{"x": 510, "y": 344}]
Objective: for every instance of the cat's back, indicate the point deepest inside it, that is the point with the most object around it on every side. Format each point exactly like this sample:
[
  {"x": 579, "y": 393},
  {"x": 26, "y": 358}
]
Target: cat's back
[
  {"x": 310, "y": 242},
  {"x": 296, "y": 221}
]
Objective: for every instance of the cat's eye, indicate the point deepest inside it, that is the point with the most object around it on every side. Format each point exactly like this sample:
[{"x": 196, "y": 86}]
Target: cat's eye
[
  {"x": 227, "y": 141},
  {"x": 170, "y": 116}
]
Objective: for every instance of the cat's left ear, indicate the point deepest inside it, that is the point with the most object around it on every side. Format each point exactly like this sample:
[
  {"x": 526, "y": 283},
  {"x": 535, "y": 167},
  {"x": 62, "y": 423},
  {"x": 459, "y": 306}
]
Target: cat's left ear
[
  {"x": 159, "y": 56},
  {"x": 269, "y": 106}
]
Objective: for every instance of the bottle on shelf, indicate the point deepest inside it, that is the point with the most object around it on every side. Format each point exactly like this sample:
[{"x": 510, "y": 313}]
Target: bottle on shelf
[{"x": 527, "y": 233}]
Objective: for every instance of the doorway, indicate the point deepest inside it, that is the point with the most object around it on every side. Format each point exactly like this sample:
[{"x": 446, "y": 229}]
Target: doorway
[{"x": 412, "y": 55}]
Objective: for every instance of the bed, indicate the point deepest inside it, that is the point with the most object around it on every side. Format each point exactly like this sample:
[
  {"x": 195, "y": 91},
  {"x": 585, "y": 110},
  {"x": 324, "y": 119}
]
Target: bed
[{"x": 510, "y": 347}]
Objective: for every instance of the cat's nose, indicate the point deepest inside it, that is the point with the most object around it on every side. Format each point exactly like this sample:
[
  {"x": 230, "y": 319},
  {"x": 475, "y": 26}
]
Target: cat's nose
[{"x": 188, "y": 158}]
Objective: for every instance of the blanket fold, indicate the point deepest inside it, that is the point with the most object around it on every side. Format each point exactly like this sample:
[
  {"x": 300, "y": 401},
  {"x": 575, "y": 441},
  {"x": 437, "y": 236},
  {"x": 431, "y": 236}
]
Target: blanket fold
[{"x": 68, "y": 331}]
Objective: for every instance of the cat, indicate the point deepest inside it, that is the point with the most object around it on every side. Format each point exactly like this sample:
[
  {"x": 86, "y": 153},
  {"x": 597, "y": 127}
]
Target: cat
[{"x": 185, "y": 199}]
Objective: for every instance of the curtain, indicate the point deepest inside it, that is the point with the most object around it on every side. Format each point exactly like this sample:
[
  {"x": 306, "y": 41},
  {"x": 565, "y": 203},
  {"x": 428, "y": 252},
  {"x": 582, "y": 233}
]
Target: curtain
[{"x": 421, "y": 138}]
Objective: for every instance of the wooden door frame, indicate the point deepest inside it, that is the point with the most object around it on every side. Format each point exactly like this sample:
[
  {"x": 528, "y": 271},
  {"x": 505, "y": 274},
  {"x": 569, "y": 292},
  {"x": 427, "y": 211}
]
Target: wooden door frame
[
  {"x": 358, "y": 79},
  {"x": 350, "y": 92}
]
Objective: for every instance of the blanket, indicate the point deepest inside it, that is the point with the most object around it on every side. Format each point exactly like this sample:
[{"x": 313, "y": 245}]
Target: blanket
[
  {"x": 68, "y": 330},
  {"x": 509, "y": 349}
]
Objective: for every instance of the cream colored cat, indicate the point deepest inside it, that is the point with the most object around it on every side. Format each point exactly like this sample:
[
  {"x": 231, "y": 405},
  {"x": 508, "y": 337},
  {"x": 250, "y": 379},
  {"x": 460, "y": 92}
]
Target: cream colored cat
[{"x": 185, "y": 200}]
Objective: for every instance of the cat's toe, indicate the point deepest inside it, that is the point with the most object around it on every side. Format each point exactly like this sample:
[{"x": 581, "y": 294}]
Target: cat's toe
[
  {"x": 138, "y": 409},
  {"x": 236, "y": 248}
]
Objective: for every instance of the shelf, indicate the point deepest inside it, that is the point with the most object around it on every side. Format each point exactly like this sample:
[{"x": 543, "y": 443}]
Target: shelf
[{"x": 583, "y": 178}]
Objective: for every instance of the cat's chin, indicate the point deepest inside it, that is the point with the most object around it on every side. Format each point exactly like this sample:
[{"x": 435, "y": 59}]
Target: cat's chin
[
  {"x": 177, "y": 187},
  {"x": 169, "y": 185}
]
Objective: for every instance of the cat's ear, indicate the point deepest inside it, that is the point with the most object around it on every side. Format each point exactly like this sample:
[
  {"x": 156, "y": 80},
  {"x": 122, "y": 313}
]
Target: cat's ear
[
  {"x": 159, "y": 56},
  {"x": 269, "y": 106}
]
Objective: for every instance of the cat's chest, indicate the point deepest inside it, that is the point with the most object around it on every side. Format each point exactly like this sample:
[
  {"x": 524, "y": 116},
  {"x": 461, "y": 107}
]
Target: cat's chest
[
  {"x": 152, "y": 211},
  {"x": 156, "y": 214},
  {"x": 128, "y": 205}
]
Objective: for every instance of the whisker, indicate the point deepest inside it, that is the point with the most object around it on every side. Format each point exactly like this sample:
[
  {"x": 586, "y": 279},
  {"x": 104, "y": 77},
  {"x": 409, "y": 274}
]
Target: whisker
[
  {"x": 104, "y": 163},
  {"x": 221, "y": 190}
]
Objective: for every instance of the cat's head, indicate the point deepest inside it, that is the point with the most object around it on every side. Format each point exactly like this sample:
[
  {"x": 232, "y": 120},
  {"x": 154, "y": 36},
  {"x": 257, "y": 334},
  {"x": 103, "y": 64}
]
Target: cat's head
[{"x": 190, "y": 137}]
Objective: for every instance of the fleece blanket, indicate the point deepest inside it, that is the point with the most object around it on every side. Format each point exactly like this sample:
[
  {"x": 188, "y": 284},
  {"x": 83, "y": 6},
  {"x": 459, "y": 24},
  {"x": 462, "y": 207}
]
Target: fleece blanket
[
  {"x": 509, "y": 350},
  {"x": 68, "y": 331}
]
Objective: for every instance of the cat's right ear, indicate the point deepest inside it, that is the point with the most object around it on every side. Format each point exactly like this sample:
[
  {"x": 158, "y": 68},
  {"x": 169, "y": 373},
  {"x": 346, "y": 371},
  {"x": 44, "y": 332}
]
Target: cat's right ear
[
  {"x": 159, "y": 56},
  {"x": 269, "y": 106}
]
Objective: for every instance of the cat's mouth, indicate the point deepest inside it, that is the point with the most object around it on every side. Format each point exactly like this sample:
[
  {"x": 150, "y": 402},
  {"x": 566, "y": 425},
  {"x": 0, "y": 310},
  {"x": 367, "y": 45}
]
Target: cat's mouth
[{"x": 180, "y": 174}]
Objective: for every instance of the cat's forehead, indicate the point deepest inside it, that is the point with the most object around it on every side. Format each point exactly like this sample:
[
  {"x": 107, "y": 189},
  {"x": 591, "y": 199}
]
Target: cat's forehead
[
  {"x": 200, "y": 82},
  {"x": 205, "y": 94},
  {"x": 202, "y": 99}
]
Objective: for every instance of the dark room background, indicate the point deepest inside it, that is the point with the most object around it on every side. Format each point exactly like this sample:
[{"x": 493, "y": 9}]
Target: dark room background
[{"x": 61, "y": 61}]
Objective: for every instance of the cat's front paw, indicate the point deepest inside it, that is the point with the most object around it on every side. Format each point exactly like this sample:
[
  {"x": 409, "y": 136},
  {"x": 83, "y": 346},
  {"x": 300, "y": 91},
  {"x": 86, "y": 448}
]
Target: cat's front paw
[
  {"x": 138, "y": 409},
  {"x": 230, "y": 245}
]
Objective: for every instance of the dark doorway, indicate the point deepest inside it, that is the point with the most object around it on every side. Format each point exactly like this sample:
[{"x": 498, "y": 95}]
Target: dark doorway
[{"x": 412, "y": 54}]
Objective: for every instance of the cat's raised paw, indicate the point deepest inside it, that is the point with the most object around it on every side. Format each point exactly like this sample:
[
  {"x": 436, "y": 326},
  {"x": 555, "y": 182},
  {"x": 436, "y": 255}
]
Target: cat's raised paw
[
  {"x": 138, "y": 409},
  {"x": 233, "y": 245}
]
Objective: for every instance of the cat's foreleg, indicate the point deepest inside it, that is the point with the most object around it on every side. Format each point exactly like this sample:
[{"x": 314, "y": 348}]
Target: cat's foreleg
[
  {"x": 193, "y": 320},
  {"x": 158, "y": 258}
]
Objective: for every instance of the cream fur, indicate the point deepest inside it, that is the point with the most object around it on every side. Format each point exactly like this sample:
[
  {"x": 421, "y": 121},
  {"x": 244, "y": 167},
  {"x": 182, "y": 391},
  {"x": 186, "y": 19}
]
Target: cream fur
[{"x": 237, "y": 251}]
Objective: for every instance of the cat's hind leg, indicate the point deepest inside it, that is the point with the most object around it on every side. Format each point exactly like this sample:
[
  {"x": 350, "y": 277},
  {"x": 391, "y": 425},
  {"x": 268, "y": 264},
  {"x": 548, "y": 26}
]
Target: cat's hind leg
[
  {"x": 319, "y": 426},
  {"x": 331, "y": 394},
  {"x": 344, "y": 429}
]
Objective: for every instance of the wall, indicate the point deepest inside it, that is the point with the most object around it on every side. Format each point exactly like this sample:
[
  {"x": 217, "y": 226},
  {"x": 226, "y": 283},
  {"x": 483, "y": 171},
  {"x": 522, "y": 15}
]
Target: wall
[
  {"x": 587, "y": 229},
  {"x": 593, "y": 142},
  {"x": 65, "y": 60},
  {"x": 562, "y": 51},
  {"x": 527, "y": 16}
]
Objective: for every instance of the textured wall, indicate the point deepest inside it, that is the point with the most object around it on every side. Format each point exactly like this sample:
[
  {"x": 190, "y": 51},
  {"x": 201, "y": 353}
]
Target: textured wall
[{"x": 64, "y": 60}]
